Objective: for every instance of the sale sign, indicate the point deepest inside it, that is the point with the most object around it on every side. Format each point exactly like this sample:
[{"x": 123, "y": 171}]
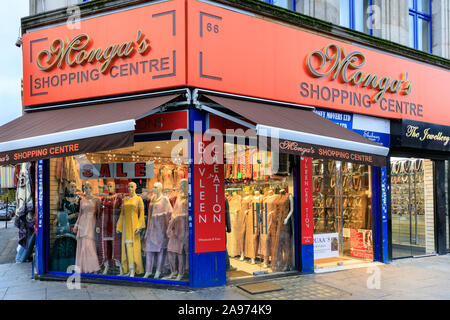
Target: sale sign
[
  {"x": 209, "y": 190},
  {"x": 125, "y": 170},
  {"x": 307, "y": 205}
]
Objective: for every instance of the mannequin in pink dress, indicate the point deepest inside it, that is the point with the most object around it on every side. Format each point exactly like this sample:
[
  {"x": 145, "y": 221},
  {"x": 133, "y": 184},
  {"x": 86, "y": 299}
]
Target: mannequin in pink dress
[
  {"x": 178, "y": 234},
  {"x": 86, "y": 257}
]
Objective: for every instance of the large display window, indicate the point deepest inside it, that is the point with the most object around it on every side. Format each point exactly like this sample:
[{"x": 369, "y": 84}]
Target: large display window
[
  {"x": 122, "y": 212},
  {"x": 342, "y": 213},
  {"x": 259, "y": 199}
]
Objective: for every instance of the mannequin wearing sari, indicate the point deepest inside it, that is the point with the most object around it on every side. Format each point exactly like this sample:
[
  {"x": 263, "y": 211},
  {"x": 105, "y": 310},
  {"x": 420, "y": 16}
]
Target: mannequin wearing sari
[
  {"x": 131, "y": 222},
  {"x": 86, "y": 257}
]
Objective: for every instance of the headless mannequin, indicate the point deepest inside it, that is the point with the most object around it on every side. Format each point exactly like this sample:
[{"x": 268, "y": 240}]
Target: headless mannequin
[
  {"x": 129, "y": 247},
  {"x": 270, "y": 195},
  {"x": 286, "y": 237},
  {"x": 245, "y": 212},
  {"x": 179, "y": 259},
  {"x": 157, "y": 191},
  {"x": 257, "y": 198}
]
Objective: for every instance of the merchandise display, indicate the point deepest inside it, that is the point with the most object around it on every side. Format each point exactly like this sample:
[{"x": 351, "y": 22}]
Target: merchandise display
[
  {"x": 122, "y": 212},
  {"x": 261, "y": 205},
  {"x": 341, "y": 204}
]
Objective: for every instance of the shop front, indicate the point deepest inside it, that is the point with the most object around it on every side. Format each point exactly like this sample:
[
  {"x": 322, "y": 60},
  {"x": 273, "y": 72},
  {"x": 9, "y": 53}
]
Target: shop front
[
  {"x": 168, "y": 157},
  {"x": 419, "y": 188}
]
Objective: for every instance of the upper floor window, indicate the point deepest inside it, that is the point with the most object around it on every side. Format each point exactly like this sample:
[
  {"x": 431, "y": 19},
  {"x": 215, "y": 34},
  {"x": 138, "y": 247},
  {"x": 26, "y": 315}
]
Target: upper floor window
[
  {"x": 420, "y": 25},
  {"x": 356, "y": 15},
  {"x": 288, "y": 4}
]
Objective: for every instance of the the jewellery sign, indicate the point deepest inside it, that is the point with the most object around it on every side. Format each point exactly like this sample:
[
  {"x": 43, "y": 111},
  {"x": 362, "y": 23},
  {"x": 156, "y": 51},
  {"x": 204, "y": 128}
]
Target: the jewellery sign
[
  {"x": 241, "y": 53},
  {"x": 425, "y": 136},
  {"x": 134, "y": 50}
]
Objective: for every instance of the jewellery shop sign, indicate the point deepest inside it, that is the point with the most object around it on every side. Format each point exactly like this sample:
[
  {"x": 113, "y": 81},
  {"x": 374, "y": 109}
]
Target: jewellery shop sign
[{"x": 421, "y": 135}]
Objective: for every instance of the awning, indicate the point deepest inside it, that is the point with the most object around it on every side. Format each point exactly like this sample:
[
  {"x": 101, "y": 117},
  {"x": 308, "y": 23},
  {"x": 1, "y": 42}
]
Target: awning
[
  {"x": 68, "y": 131},
  {"x": 302, "y": 132}
]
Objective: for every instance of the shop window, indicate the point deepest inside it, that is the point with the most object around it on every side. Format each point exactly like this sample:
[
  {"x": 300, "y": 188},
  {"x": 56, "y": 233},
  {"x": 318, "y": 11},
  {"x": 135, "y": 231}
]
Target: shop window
[
  {"x": 342, "y": 213},
  {"x": 259, "y": 192},
  {"x": 122, "y": 212},
  {"x": 287, "y": 4},
  {"x": 420, "y": 25},
  {"x": 356, "y": 15}
]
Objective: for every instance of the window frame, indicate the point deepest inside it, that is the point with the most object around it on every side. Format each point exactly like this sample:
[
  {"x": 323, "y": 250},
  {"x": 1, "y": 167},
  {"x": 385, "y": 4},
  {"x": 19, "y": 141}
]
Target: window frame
[
  {"x": 289, "y": 1},
  {"x": 352, "y": 15},
  {"x": 416, "y": 14}
]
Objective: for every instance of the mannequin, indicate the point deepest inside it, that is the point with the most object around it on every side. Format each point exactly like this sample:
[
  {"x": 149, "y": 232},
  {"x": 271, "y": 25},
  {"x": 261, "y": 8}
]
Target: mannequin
[
  {"x": 71, "y": 203},
  {"x": 247, "y": 239},
  {"x": 86, "y": 257},
  {"x": 257, "y": 220},
  {"x": 281, "y": 244},
  {"x": 235, "y": 237},
  {"x": 109, "y": 241},
  {"x": 130, "y": 224},
  {"x": 178, "y": 234},
  {"x": 270, "y": 206},
  {"x": 158, "y": 217}
]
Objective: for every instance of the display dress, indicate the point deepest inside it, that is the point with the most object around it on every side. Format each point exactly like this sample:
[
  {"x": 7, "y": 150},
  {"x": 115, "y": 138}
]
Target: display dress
[
  {"x": 159, "y": 213},
  {"x": 109, "y": 240},
  {"x": 248, "y": 234},
  {"x": 281, "y": 241},
  {"x": 65, "y": 246},
  {"x": 235, "y": 239},
  {"x": 86, "y": 258},
  {"x": 258, "y": 216},
  {"x": 131, "y": 219},
  {"x": 167, "y": 177},
  {"x": 266, "y": 236},
  {"x": 178, "y": 234}
]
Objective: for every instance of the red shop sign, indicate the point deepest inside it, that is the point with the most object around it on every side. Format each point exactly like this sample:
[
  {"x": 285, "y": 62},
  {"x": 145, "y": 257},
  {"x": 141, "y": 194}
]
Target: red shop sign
[
  {"x": 307, "y": 200},
  {"x": 163, "y": 122},
  {"x": 208, "y": 197}
]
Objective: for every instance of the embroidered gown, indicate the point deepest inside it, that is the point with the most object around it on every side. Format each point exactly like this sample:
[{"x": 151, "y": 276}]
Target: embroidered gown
[
  {"x": 109, "y": 239},
  {"x": 131, "y": 219},
  {"x": 86, "y": 257}
]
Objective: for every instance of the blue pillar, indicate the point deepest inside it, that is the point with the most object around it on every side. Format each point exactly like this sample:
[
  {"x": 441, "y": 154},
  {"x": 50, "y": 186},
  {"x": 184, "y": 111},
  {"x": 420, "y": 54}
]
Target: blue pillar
[
  {"x": 40, "y": 216},
  {"x": 384, "y": 217}
]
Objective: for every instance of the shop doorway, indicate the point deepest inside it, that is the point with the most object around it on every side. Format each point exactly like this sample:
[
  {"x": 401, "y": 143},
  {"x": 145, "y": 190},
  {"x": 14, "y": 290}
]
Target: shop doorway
[
  {"x": 342, "y": 212},
  {"x": 412, "y": 207}
]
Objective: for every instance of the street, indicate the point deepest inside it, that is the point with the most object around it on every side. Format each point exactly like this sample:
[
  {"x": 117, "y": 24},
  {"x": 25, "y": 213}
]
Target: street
[{"x": 8, "y": 241}]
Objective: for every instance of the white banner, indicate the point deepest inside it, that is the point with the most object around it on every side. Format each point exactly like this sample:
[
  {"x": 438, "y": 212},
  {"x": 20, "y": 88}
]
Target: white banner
[{"x": 326, "y": 245}]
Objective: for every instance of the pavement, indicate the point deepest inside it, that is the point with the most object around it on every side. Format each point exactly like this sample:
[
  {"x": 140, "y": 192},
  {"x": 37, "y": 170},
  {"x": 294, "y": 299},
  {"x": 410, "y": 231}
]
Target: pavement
[
  {"x": 8, "y": 241},
  {"x": 426, "y": 278}
]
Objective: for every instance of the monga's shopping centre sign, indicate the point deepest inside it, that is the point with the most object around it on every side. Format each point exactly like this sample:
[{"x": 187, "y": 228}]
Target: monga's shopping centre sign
[{"x": 197, "y": 44}]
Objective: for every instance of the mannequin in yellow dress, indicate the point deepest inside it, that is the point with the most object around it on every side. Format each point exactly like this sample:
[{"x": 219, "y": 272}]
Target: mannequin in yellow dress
[{"x": 130, "y": 224}]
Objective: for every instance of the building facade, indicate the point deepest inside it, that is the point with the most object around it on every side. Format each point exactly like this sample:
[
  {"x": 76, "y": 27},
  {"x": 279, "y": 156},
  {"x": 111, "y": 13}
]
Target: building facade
[{"x": 358, "y": 174}]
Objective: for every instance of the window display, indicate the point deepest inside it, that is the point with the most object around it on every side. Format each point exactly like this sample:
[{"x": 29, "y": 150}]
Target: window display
[
  {"x": 122, "y": 212},
  {"x": 342, "y": 211},
  {"x": 260, "y": 204}
]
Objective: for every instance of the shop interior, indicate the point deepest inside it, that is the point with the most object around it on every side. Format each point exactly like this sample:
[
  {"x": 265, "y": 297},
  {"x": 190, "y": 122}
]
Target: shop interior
[
  {"x": 258, "y": 189},
  {"x": 342, "y": 213},
  {"x": 122, "y": 212}
]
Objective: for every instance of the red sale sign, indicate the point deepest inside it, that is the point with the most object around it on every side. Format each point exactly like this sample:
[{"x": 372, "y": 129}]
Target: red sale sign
[
  {"x": 209, "y": 190},
  {"x": 307, "y": 201}
]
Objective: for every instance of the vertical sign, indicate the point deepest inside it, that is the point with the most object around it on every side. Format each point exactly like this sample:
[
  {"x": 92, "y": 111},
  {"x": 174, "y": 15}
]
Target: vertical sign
[
  {"x": 40, "y": 215},
  {"x": 209, "y": 201},
  {"x": 384, "y": 213},
  {"x": 306, "y": 201}
]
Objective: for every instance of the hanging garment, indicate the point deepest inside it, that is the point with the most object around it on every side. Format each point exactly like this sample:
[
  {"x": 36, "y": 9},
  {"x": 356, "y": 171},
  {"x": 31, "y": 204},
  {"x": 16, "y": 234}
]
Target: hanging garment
[
  {"x": 248, "y": 236},
  {"x": 24, "y": 220},
  {"x": 109, "y": 240},
  {"x": 71, "y": 205},
  {"x": 159, "y": 213},
  {"x": 266, "y": 236},
  {"x": 131, "y": 219},
  {"x": 86, "y": 257},
  {"x": 167, "y": 177},
  {"x": 281, "y": 242},
  {"x": 258, "y": 215},
  {"x": 237, "y": 220}
]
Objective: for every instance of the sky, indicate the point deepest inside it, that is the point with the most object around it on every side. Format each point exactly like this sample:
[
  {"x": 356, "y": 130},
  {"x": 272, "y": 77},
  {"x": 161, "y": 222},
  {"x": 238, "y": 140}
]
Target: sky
[{"x": 11, "y": 60}]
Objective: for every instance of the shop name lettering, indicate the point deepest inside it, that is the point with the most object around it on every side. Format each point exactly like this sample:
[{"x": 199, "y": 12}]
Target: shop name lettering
[
  {"x": 412, "y": 132},
  {"x": 294, "y": 146},
  {"x": 75, "y": 52},
  {"x": 335, "y": 62}
]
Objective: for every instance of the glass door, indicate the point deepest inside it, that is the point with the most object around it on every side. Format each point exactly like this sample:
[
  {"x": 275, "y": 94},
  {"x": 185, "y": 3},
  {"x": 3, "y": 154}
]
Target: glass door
[{"x": 412, "y": 207}]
